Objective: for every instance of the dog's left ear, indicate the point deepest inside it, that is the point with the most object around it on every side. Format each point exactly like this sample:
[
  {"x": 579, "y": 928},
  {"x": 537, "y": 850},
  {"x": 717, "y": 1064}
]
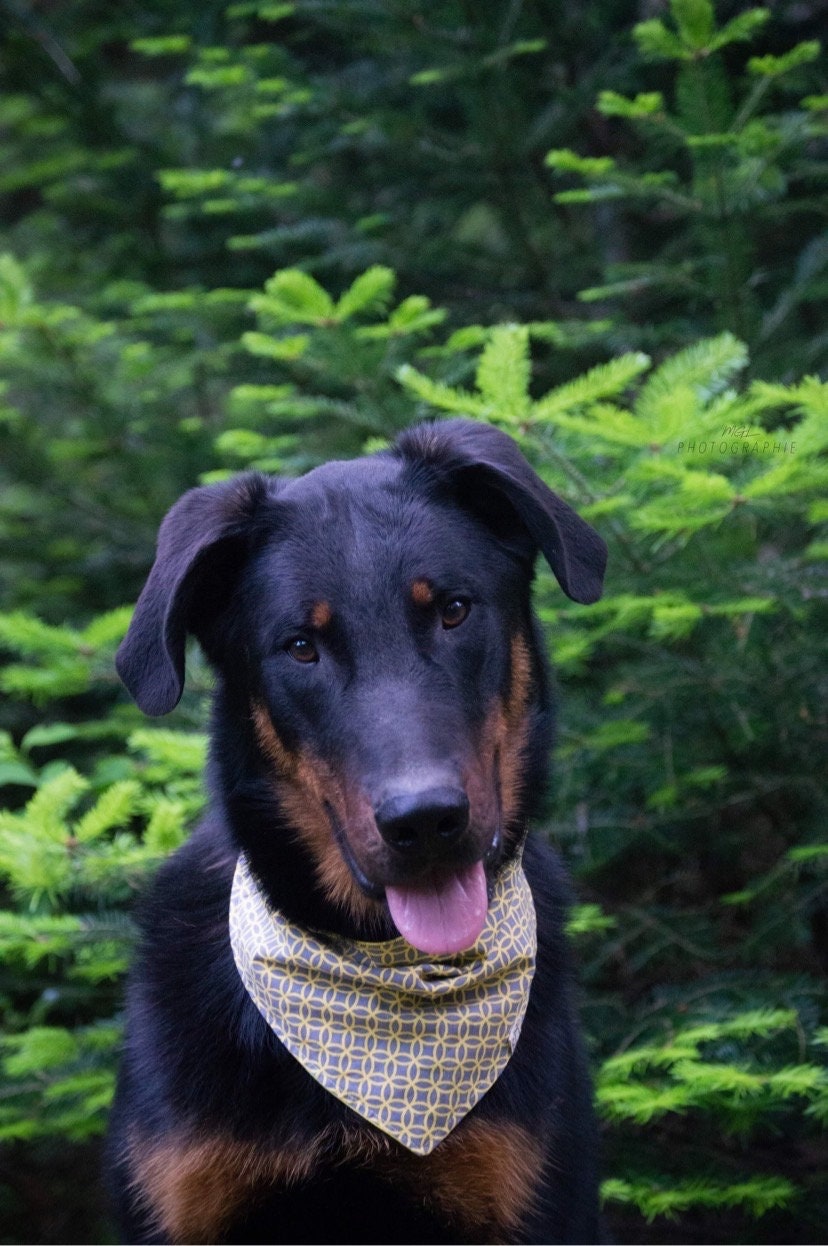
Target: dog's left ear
[
  {"x": 201, "y": 546},
  {"x": 485, "y": 461}
]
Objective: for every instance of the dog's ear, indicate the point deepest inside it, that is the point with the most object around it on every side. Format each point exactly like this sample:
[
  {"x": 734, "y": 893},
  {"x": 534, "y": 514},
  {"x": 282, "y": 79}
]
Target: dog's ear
[
  {"x": 487, "y": 467},
  {"x": 200, "y": 545}
]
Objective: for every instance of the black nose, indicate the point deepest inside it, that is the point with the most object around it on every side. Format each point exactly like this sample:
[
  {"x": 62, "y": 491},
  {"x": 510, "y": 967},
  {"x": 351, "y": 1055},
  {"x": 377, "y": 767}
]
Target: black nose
[{"x": 424, "y": 824}]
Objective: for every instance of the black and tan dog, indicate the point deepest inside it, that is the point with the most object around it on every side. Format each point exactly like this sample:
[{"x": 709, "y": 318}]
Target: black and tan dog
[{"x": 380, "y": 733}]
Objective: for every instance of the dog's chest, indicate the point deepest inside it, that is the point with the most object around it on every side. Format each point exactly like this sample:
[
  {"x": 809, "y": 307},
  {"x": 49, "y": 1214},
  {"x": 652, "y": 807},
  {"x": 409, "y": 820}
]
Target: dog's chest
[{"x": 480, "y": 1181}]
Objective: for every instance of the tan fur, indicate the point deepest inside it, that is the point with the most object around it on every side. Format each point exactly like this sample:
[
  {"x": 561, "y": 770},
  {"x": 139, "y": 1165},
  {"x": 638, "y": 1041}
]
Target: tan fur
[
  {"x": 500, "y": 756},
  {"x": 305, "y": 784},
  {"x": 482, "y": 1177},
  {"x": 485, "y": 1176},
  {"x": 512, "y": 730},
  {"x": 321, "y": 614},
  {"x": 421, "y": 593},
  {"x": 193, "y": 1186}
]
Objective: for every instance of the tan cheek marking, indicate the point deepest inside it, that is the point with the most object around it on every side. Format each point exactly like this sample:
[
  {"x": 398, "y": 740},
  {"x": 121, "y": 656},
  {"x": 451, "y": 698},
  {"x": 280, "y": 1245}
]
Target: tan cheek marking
[
  {"x": 422, "y": 593},
  {"x": 283, "y": 761},
  {"x": 502, "y": 750},
  {"x": 304, "y": 786},
  {"x": 192, "y": 1187},
  {"x": 513, "y": 732},
  {"x": 485, "y": 1176},
  {"x": 321, "y": 614},
  {"x": 521, "y": 682}
]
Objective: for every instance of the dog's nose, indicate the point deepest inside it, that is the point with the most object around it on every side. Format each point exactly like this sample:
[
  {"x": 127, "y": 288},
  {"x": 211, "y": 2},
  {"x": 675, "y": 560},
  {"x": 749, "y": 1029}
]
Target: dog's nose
[{"x": 425, "y": 823}]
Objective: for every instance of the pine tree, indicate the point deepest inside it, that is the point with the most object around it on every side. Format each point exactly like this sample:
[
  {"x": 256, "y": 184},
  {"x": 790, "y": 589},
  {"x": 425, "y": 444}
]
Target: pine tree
[{"x": 725, "y": 183}]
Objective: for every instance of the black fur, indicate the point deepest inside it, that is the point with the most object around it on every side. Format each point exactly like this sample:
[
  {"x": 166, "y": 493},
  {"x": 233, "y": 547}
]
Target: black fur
[{"x": 393, "y": 692}]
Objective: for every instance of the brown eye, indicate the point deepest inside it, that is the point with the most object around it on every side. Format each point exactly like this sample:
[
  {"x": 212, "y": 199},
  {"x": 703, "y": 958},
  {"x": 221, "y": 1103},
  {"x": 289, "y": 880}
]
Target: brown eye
[
  {"x": 456, "y": 612},
  {"x": 302, "y": 650}
]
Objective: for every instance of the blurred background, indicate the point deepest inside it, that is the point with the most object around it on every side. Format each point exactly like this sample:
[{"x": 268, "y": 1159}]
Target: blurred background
[{"x": 262, "y": 235}]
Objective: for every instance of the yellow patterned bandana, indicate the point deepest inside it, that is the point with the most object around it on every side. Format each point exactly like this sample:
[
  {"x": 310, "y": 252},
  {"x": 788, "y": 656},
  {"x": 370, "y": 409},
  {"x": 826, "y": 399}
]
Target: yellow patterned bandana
[{"x": 408, "y": 1041}]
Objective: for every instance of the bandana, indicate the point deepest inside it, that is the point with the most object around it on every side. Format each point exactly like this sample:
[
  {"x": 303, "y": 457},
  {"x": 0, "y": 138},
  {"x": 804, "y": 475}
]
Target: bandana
[{"x": 408, "y": 1041}]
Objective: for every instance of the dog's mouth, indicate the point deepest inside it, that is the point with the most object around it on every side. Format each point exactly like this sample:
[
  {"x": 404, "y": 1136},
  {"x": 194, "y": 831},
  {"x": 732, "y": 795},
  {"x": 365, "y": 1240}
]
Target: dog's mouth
[{"x": 443, "y": 910}]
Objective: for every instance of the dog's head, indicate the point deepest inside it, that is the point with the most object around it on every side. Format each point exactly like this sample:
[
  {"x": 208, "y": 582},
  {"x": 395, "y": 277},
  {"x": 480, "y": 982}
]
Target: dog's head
[{"x": 382, "y": 709}]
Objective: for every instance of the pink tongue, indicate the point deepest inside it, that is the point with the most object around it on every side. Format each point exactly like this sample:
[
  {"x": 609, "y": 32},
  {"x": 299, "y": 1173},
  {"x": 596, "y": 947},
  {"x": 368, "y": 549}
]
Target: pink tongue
[{"x": 442, "y": 917}]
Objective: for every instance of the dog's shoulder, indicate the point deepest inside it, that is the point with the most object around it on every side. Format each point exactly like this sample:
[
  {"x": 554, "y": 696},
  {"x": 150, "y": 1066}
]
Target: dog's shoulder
[
  {"x": 184, "y": 978},
  {"x": 192, "y": 885},
  {"x": 182, "y": 916},
  {"x": 186, "y": 1005}
]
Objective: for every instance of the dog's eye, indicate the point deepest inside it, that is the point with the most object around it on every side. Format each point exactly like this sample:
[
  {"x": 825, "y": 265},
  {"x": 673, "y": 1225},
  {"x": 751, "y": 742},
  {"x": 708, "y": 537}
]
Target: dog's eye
[
  {"x": 456, "y": 612},
  {"x": 302, "y": 650}
]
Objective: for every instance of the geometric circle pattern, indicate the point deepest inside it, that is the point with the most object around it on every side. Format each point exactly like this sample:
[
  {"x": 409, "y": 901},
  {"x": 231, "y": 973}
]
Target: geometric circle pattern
[{"x": 409, "y": 1041}]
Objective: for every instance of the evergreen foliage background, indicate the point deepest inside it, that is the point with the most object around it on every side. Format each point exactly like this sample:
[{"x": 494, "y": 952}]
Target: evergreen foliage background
[{"x": 265, "y": 234}]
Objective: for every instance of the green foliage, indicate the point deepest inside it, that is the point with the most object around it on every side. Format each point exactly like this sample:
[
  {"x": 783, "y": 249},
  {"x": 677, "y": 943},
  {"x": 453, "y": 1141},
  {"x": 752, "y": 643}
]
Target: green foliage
[
  {"x": 87, "y": 431},
  {"x": 71, "y": 861},
  {"x": 58, "y": 1081},
  {"x": 718, "y": 175},
  {"x": 679, "y": 1077},
  {"x": 757, "y": 1196},
  {"x": 75, "y": 659},
  {"x": 338, "y": 373}
]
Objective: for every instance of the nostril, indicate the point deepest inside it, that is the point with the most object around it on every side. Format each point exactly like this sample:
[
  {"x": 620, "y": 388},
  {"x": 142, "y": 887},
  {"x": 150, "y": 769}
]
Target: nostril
[
  {"x": 403, "y": 836},
  {"x": 450, "y": 826}
]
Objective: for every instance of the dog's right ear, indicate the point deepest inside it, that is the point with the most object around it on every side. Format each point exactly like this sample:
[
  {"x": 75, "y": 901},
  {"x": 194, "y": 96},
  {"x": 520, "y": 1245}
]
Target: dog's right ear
[{"x": 201, "y": 542}]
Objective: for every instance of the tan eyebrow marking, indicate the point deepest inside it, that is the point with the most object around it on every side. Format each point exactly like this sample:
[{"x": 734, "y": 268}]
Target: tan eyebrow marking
[
  {"x": 320, "y": 614},
  {"x": 421, "y": 593}
]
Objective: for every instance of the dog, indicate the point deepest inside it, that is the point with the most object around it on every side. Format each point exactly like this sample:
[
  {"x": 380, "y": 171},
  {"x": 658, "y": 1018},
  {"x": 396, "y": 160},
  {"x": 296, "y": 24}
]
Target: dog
[{"x": 380, "y": 732}]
